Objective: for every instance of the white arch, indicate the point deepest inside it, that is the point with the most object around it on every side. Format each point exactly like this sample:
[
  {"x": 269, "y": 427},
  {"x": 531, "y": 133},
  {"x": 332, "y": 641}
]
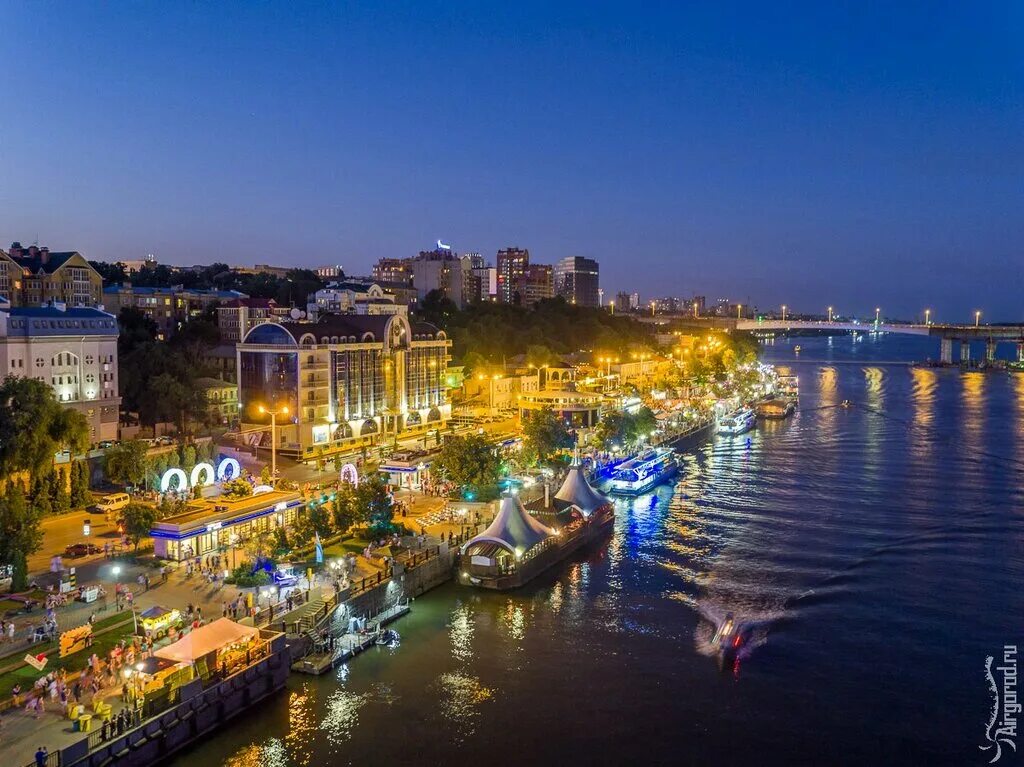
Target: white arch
[
  {"x": 202, "y": 471},
  {"x": 223, "y": 466},
  {"x": 350, "y": 474},
  {"x": 165, "y": 481}
]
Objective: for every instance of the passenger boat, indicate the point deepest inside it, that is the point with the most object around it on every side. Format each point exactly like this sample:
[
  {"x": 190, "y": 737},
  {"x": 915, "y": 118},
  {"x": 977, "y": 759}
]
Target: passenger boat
[
  {"x": 775, "y": 408},
  {"x": 789, "y": 386},
  {"x": 519, "y": 545},
  {"x": 640, "y": 474},
  {"x": 737, "y": 423}
]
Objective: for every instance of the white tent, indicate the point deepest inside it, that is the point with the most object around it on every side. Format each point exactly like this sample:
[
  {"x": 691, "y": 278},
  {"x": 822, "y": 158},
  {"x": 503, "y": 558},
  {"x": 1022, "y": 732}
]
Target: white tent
[
  {"x": 205, "y": 640},
  {"x": 513, "y": 528},
  {"x": 576, "y": 491}
]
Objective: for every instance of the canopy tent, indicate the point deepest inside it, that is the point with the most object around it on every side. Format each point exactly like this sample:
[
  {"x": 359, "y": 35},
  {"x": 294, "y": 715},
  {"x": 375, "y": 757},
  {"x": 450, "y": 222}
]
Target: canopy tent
[
  {"x": 576, "y": 491},
  {"x": 156, "y": 611},
  {"x": 205, "y": 640},
  {"x": 513, "y": 529}
]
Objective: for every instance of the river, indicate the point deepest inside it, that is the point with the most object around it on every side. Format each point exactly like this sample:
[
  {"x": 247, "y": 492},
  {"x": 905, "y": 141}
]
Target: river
[{"x": 875, "y": 551}]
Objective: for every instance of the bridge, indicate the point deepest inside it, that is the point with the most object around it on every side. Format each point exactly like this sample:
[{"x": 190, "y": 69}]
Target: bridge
[{"x": 947, "y": 334}]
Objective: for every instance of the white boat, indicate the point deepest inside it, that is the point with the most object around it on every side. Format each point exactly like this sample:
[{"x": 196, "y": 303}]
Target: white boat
[
  {"x": 737, "y": 423},
  {"x": 640, "y": 474}
]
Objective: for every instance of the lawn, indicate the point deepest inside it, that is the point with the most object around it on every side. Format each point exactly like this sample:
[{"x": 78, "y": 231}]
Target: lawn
[{"x": 26, "y": 675}]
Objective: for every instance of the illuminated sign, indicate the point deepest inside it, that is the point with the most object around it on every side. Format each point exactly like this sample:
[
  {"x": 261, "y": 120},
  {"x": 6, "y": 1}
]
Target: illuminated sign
[
  {"x": 203, "y": 474},
  {"x": 442, "y": 246}
]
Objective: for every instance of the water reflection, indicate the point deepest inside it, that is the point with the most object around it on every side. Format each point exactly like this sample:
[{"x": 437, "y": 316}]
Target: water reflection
[{"x": 461, "y": 697}]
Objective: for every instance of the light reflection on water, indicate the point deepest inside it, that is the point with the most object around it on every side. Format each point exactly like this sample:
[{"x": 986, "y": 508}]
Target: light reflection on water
[{"x": 874, "y": 552}]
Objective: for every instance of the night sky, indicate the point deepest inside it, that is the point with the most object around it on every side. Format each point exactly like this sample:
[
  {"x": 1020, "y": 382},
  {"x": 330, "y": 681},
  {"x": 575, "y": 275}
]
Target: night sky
[{"x": 773, "y": 153}]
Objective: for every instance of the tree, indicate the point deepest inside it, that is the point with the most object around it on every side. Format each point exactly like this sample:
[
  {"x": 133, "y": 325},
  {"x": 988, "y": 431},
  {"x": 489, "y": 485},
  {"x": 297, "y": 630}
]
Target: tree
[
  {"x": 625, "y": 430},
  {"x": 80, "y": 495},
  {"x": 544, "y": 433},
  {"x": 20, "y": 534},
  {"x": 236, "y": 488},
  {"x": 34, "y": 426},
  {"x": 265, "y": 478},
  {"x": 125, "y": 463},
  {"x": 40, "y": 495},
  {"x": 375, "y": 504},
  {"x": 345, "y": 510},
  {"x": 468, "y": 462},
  {"x": 188, "y": 458},
  {"x": 138, "y": 519},
  {"x": 437, "y": 308},
  {"x": 315, "y": 520},
  {"x": 59, "y": 496}
]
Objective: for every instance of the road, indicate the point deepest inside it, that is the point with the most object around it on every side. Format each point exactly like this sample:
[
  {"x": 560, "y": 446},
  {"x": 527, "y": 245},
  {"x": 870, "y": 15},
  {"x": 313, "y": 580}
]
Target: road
[{"x": 60, "y": 531}]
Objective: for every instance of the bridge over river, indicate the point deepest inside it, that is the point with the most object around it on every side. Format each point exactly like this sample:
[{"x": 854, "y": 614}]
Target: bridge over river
[{"x": 947, "y": 334}]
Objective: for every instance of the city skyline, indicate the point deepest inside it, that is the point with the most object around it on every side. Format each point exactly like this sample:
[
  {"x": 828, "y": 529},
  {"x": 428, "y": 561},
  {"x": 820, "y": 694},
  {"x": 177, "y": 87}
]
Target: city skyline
[{"x": 813, "y": 158}]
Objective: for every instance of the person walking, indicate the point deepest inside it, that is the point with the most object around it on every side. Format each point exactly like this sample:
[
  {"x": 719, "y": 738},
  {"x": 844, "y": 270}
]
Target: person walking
[{"x": 41, "y": 756}]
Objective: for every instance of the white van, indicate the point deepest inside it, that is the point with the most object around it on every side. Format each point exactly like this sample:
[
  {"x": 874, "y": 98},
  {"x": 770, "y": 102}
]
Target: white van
[{"x": 113, "y": 502}]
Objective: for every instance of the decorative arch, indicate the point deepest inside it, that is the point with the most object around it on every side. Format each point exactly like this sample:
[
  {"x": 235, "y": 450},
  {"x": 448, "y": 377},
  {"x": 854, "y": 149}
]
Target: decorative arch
[
  {"x": 308, "y": 339},
  {"x": 223, "y": 469},
  {"x": 433, "y": 415},
  {"x": 413, "y": 419},
  {"x": 369, "y": 427},
  {"x": 342, "y": 431},
  {"x": 202, "y": 471},
  {"x": 368, "y": 338},
  {"x": 169, "y": 476},
  {"x": 349, "y": 474}
]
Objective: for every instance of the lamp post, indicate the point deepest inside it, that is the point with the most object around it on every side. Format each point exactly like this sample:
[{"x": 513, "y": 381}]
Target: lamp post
[
  {"x": 977, "y": 319},
  {"x": 611, "y": 305},
  {"x": 830, "y": 314},
  {"x": 878, "y": 311},
  {"x": 116, "y": 570},
  {"x": 739, "y": 311},
  {"x": 927, "y": 317},
  {"x": 273, "y": 437},
  {"x": 783, "y": 312}
]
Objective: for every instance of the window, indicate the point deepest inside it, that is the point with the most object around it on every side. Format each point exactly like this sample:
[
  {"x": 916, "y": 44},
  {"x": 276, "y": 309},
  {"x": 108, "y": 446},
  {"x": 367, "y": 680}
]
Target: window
[{"x": 39, "y": 362}]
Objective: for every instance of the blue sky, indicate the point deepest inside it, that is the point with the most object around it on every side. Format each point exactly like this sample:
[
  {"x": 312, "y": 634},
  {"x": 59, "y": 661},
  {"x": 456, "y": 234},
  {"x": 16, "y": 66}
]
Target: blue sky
[{"x": 799, "y": 153}]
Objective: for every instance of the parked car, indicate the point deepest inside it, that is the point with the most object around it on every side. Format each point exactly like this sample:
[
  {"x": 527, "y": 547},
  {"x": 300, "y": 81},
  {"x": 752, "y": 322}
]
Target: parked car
[
  {"x": 165, "y": 440},
  {"x": 76, "y": 550}
]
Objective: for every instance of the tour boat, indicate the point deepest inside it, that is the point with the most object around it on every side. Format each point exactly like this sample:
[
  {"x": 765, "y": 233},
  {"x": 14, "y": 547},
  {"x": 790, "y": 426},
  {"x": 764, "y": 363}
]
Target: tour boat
[
  {"x": 640, "y": 474},
  {"x": 789, "y": 386},
  {"x": 737, "y": 423}
]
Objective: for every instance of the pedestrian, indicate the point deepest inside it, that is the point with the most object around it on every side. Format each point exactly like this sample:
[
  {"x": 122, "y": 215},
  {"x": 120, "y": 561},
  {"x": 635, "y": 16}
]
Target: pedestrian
[
  {"x": 224, "y": 612},
  {"x": 16, "y": 694},
  {"x": 41, "y": 756},
  {"x": 10, "y": 631}
]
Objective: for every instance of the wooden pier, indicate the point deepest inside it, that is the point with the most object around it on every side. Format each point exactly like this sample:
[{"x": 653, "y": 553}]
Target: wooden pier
[{"x": 347, "y": 645}]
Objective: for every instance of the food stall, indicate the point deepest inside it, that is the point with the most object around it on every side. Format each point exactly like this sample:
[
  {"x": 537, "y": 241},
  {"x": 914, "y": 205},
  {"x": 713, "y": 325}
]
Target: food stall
[
  {"x": 157, "y": 621},
  {"x": 222, "y": 644}
]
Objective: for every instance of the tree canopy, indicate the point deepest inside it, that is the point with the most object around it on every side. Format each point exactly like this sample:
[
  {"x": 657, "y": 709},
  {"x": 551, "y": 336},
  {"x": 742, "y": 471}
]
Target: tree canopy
[
  {"x": 544, "y": 433},
  {"x": 34, "y": 426},
  {"x": 125, "y": 463},
  {"x": 20, "y": 533},
  {"x": 468, "y": 463},
  {"x": 625, "y": 430}
]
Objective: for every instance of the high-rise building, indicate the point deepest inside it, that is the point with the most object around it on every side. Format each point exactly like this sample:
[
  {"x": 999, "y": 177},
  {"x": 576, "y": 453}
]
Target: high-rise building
[
  {"x": 169, "y": 308},
  {"x": 345, "y": 380},
  {"x": 442, "y": 270},
  {"x": 486, "y": 283},
  {"x": 34, "y": 276},
  {"x": 577, "y": 279},
  {"x": 622, "y": 301},
  {"x": 73, "y": 350},
  {"x": 634, "y": 300},
  {"x": 535, "y": 284},
  {"x": 393, "y": 270},
  {"x": 512, "y": 265}
]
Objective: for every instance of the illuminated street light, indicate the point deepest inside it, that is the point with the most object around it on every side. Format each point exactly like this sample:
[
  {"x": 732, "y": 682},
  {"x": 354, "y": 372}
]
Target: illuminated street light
[
  {"x": 977, "y": 319},
  {"x": 877, "y": 312},
  {"x": 739, "y": 311},
  {"x": 927, "y": 317},
  {"x": 273, "y": 436},
  {"x": 783, "y": 312},
  {"x": 830, "y": 314},
  {"x": 611, "y": 304}
]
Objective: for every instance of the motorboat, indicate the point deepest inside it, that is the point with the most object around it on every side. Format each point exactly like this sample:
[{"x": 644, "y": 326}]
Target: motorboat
[
  {"x": 728, "y": 640},
  {"x": 739, "y": 422},
  {"x": 640, "y": 474}
]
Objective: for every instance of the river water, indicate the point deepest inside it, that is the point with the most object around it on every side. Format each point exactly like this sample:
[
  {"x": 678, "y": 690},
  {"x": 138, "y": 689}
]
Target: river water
[{"x": 875, "y": 552}]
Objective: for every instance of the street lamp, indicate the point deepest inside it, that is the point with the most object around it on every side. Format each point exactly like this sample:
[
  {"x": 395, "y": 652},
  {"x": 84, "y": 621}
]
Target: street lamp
[
  {"x": 877, "y": 312},
  {"x": 927, "y": 317},
  {"x": 783, "y": 312},
  {"x": 611, "y": 304},
  {"x": 739, "y": 311},
  {"x": 830, "y": 314},
  {"x": 273, "y": 437},
  {"x": 116, "y": 570},
  {"x": 977, "y": 319}
]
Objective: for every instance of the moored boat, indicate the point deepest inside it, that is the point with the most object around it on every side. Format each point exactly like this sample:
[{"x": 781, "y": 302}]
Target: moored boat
[
  {"x": 775, "y": 408},
  {"x": 736, "y": 423},
  {"x": 640, "y": 474}
]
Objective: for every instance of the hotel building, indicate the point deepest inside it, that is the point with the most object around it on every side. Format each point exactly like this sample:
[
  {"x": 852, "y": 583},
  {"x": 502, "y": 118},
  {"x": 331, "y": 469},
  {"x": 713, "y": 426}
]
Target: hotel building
[
  {"x": 345, "y": 381},
  {"x": 72, "y": 350}
]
